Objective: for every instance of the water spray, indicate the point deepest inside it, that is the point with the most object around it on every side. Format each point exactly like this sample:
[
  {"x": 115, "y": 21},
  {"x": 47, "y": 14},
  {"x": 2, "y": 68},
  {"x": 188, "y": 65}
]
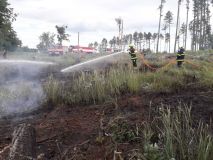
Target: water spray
[{"x": 69, "y": 69}]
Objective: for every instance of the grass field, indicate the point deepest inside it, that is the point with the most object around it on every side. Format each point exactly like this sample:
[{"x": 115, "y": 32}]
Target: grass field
[
  {"x": 129, "y": 113},
  {"x": 102, "y": 85}
]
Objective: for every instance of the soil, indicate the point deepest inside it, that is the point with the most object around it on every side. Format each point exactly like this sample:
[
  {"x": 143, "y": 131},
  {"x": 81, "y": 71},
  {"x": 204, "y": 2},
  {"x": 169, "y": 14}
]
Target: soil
[{"x": 78, "y": 132}]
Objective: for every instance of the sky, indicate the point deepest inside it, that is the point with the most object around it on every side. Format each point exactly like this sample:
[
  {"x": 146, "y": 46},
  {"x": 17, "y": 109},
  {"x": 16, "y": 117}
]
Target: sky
[{"x": 94, "y": 19}]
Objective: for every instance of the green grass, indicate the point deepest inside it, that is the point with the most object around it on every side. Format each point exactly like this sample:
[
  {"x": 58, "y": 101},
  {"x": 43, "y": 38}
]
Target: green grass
[
  {"x": 179, "y": 139},
  {"x": 169, "y": 135},
  {"x": 53, "y": 90},
  {"x": 99, "y": 87}
]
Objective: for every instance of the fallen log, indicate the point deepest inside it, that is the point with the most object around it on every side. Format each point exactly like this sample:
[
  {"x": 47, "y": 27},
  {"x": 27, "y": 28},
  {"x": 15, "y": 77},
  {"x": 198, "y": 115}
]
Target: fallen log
[{"x": 23, "y": 143}]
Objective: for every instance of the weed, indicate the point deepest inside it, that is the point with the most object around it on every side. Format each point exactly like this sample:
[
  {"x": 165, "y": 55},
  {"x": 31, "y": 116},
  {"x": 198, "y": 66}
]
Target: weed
[
  {"x": 179, "y": 138},
  {"x": 121, "y": 131},
  {"x": 52, "y": 90}
]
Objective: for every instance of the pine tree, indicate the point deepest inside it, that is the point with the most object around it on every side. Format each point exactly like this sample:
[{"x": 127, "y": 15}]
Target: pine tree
[
  {"x": 165, "y": 27},
  {"x": 140, "y": 38},
  {"x": 200, "y": 26},
  {"x": 159, "y": 25},
  {"x": 168, "y": 21},
  {"x": 154, "y": 37},
  {"x": 149, "y": 37},
  {"x": 104, "y": 44},
  {"x": 167, "y": 39},
  {"x": 182, "y": 33},
  {"x": 177, "y": 25},
  {"x": 135, "y": 38},
  {"x": 187, "y": 21},
  {"x": 161, "y": 38}
]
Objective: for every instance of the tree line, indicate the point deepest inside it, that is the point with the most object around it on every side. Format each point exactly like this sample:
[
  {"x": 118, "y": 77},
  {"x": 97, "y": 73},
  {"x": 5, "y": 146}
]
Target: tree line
[
  {"x": 199, "y": 27},
  {"x": 141, "y": 40}
]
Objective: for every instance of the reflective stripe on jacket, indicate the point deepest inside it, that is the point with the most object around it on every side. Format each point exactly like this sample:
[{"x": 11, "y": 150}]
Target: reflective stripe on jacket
[
  {"x": 133, "y": 56},
  {"x": 180, "y": 56}
]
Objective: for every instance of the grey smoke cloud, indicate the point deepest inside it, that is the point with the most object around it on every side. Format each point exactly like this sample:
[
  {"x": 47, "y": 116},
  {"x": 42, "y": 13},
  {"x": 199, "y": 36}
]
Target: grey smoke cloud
[{"x": 20, "y": 87}]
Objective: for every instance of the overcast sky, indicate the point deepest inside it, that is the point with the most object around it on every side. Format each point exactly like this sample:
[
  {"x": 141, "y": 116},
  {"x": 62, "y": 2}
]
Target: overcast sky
[{"x": 94, "y": 19}]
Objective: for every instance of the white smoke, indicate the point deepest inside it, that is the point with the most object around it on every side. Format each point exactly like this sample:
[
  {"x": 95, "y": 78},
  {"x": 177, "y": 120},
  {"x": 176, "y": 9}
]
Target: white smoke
[{"x": 20, "y": 87}]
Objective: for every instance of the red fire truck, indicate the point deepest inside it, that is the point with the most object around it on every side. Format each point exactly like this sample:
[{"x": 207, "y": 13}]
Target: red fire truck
[
  {"x": 80, "y": 49},
  {"x": 58, "y": 50}
]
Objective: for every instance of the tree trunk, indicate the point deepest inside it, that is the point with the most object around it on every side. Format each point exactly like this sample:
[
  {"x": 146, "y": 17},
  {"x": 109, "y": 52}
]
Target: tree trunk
[
  {"x": 204, "y": 25},
  {"x": 186, "y": 32},
  {"x": 177, "y": 26},
  {"x": 201, "y": 26},
  {"x": 165, "y": 42},
  {"x": 149, "y": 44},
  {"x": 154, "y": 45},
  {"x": 159, "y": 25},
  {"x": 23, "y": 143},
  {"x": 169, "y": 38},
  {"x": 207, "y": 32},
  {"x": 193, "y": 43},
  {"x": 197, "y": 30}
]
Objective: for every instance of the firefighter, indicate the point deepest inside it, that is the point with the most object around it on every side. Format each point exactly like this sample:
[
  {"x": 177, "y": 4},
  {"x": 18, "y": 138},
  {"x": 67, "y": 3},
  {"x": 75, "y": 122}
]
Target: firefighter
[
  {"x": 132, "y": 53},
  {"x": 180, "y": 56}
]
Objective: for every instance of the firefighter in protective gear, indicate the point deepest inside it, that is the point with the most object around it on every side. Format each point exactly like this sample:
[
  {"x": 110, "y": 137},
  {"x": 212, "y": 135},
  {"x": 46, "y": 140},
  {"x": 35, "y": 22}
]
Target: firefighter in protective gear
[
  {"x": 132, "y": 53},
  {"x": 180, "y": 56}
]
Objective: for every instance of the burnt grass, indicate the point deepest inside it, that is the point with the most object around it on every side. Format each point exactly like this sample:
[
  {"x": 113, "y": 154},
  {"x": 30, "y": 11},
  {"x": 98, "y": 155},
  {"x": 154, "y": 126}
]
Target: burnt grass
[{"x": 81, "y": 131}]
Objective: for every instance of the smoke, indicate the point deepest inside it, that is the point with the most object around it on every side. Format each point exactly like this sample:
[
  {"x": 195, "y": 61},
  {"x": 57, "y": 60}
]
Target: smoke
[{"x": 21, "y": 90}]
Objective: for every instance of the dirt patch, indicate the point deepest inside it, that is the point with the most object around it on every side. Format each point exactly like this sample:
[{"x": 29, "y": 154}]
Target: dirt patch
[{"x": 79, "y": 132}]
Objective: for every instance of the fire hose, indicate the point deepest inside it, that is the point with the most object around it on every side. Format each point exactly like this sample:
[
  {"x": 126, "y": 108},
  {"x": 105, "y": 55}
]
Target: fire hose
[{"x": 173, "y": 61}]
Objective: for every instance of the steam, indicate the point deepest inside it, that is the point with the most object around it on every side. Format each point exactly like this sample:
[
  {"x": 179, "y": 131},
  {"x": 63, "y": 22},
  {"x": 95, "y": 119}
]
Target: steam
[
  {"x": 92, "y": 63},
  {"x": 20, "y": 87}
]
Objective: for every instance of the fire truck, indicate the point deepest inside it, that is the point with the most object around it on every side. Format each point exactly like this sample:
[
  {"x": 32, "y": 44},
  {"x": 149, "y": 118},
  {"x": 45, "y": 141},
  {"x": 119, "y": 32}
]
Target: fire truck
[
  {"x": 80, "y": 49},
  {"x": 58, "y": 50}
]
